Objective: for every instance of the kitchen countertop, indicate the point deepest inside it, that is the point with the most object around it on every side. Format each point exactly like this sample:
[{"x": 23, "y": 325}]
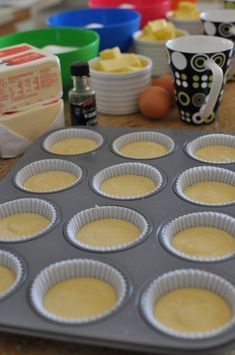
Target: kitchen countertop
[{"x": 24, "y": 345}]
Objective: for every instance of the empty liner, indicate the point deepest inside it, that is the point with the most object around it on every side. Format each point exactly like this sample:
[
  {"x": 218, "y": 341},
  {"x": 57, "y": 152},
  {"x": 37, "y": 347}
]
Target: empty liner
[
  {"x": 204, "y": 173},
  {"x": 200, "y": 219},
  {"x": 63, "y": 134},
  {"x": 11, "y": 262},
  {"x": 47, "y": 165},
  {"x": 149, "y": 136},
  {"x": 190, "y": 278},
  {"x": 138, "y": 169},
  {"x": 28, "y": 205},
  {"x": 98, "y": 213},
  {"x": 71, "y": 269},
  {"x": 208, "y": 140}
]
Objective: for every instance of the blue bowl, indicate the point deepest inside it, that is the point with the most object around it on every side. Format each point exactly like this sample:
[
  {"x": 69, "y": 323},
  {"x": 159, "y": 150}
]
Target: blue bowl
[{"x": 115, "y": 26}]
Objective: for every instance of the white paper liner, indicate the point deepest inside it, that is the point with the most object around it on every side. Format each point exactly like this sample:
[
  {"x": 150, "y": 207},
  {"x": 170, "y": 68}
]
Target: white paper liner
[
  {"x": 204, "y": 173},
  {"x": 207, "y": 140},
  {"x": 187, "y": 278},
  {"x": 154, "y": 137},
  {"x": 72, "y": 133},
  {"x": 76, "y": 268},
  {"x": 28, "y": 205},
  {"x": 11, "y": 262},
  {"x": 41, "y": 166},
  {"x": 200, "y": 219},
  {"x": 139, "y": 169},
  {"x": 98, "y": 213}
]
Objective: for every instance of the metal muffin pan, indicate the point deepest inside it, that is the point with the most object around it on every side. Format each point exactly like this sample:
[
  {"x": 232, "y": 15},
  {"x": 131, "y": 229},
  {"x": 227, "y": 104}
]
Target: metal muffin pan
[{"x": 140, "y": 263}]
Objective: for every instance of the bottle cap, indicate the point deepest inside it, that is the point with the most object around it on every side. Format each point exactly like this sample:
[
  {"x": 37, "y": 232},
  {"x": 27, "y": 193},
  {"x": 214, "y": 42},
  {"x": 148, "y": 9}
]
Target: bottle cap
[{"x": 80, "y": 69}]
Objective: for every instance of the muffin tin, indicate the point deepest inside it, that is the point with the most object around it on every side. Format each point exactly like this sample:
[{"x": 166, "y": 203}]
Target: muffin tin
[{"x": 140, "y": 263}]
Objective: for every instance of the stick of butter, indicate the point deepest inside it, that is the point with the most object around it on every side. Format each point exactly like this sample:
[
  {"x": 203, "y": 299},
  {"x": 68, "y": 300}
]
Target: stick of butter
[
  {"x": 27, "y": 76},
  {"x": 19, "y": 130}
]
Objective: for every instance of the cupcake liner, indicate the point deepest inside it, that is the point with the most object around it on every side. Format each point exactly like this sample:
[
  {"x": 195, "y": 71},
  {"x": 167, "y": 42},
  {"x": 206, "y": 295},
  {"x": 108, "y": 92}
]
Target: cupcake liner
[
  {"x": 75, "y": 268},
  {"x": 98, "y": 213},
  {"x": 139, "y": 169},
  {"x": 41, "y": 166},
  {"x": 11, "y": 262},
  {"x": 200, "y": 219},
  {"x": 31, "y": 205},
  {"x": 187, "y": 278},
  {"x": 155, "y": 137},
  {"x": 72, "y": 133},
  {"x": 207, "y": 140},
  {"x": 204, "y": 173}
]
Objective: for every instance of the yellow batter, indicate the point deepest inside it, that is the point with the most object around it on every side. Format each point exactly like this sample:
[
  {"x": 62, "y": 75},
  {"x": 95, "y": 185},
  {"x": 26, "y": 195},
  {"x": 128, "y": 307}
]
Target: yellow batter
[
  {"x": 22, "y": 224},
  {"x": 143, "y": 150},
  {"x": 80, "y": 298},
  {"x": 7, "y": 278},
  {"x": 71, "y": 146},
  {"x": 216, "y": 153},
  {"x": 204, "y": 242},
  {"x": 128, "y": 185},
  {"x": 49, "y": 180},
  {"x": 211, "y": 192},
  {"x": 192, "y": 310},
  {"x": 108, "y": 232}
]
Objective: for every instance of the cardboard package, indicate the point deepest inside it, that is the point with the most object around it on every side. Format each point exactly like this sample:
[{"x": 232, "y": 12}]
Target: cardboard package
[{"x": 30, "y": 97}]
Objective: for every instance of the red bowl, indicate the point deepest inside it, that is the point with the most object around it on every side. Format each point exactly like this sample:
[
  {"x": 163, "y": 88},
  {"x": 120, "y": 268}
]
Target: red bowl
[{"x": 149, "y": 9}]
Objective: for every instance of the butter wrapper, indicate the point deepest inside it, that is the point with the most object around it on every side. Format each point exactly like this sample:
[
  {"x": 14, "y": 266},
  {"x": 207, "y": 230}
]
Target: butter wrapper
[
  {"x": 28, "y": 75},
  {"x": 19, "y": 130}
]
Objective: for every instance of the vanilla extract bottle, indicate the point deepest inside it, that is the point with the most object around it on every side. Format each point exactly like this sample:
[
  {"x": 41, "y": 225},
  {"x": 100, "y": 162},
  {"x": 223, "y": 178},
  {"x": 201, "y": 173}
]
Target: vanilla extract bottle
[{"x": 81, "y": 97}]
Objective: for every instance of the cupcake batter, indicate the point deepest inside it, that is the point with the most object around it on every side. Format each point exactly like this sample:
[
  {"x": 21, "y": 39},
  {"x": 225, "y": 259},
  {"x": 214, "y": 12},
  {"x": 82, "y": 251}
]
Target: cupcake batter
[
  {"x": 7, "y": 278},
  {"x": 71, "y": 146},
  {"x": 143, "y": 150},
  {"x": 22, "y": 224},
  {"x": 108, "y": 232},
  {"x": 128, "y": 185},
  {"x": 211, "y": 192},
  {"x": 192, "y": 310},
  {"x": 49, "y": 181},
  {"x": 204, "y": 242},
  {"x": 80, "y": 298},
  {"x": 216, "y": 153}
]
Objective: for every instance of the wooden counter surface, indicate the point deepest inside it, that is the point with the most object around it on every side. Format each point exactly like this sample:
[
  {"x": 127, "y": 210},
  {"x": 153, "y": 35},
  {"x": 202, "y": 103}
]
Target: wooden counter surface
[{"x": 22, "y": 345}]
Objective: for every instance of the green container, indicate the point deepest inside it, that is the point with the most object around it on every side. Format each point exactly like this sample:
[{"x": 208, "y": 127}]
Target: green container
[{"x": 86, "y": 41}]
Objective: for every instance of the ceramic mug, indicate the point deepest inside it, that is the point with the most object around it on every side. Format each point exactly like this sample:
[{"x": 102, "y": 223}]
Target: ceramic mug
[
  {"x": 220, "y": 23},
  {"x": 229, "y": 4},
  {"x": 199, "y": 65}
]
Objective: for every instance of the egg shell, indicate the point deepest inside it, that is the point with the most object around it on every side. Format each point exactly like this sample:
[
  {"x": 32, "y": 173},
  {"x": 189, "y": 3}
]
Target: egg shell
[
  {"x": 154, "y": 102},
  {"x": 166, "y": 82}
]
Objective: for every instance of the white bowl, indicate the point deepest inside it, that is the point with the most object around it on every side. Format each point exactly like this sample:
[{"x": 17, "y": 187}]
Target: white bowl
[
  {"x": 156, "y": 51},
  {"x": 117, "y": 93},
  {"x": 193, "y": 27}
]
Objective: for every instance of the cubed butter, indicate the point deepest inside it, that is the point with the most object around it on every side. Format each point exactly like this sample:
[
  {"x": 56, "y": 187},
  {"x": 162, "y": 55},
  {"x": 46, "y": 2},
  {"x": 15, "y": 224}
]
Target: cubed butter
[
  {"x": 123, "y": 63},
  {"x": 186, "y": 10},
  {"x": 159, "y": 30},
  {"x": 112, "y": 53}
]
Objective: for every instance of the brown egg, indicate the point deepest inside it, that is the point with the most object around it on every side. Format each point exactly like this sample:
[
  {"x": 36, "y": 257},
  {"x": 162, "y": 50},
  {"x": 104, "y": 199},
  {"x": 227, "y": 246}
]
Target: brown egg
[
  {"x": 154, "y": 102},
  {"x": 166, "y": 82}
]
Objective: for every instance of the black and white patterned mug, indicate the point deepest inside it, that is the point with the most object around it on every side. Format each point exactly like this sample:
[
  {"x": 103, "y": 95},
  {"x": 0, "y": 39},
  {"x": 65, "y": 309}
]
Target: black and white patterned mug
[
  {"x": 199, "y": 65},
  {"x": 220, "y": 23}
]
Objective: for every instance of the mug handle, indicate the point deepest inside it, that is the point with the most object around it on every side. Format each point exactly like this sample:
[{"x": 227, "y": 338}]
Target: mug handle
[{"x": 217, "y": 83}]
